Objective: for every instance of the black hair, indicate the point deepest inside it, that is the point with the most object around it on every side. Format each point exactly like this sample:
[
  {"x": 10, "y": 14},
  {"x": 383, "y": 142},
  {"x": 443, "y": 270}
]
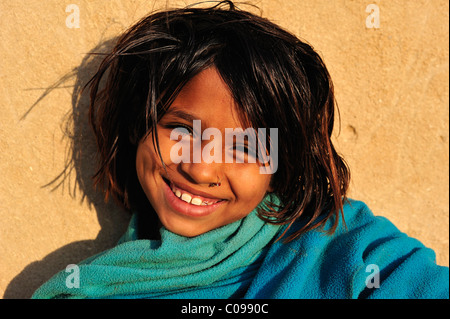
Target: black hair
[{"x": 277, "y": 81}]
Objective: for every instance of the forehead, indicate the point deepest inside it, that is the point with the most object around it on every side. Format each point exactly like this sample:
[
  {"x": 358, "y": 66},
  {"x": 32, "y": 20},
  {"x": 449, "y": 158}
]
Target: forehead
[{"x": 206, "y": 97}]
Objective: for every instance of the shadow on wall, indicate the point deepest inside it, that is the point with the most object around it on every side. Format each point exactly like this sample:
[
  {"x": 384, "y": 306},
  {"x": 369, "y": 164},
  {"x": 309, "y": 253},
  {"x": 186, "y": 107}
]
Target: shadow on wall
[{"x": 81, "y": 162}]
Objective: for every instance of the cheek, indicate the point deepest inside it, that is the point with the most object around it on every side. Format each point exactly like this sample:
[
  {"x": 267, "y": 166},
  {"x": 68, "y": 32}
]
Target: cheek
[
  {"x": 165, "y": 147},
  {"x": 147, "y": 162},
  {"x": 147, "y": 156},
  {"x": 248, "y": 184}
]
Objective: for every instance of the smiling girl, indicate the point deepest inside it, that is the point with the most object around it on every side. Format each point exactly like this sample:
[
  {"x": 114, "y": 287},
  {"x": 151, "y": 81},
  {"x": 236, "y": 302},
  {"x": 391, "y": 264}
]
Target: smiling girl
[
  {"x": 177, "y": 191},
  {"x": 222, "y": 229}
]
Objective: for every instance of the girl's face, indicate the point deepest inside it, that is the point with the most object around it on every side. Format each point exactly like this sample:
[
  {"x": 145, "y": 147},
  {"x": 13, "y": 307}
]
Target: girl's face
[{"x": 182, "y": 196}]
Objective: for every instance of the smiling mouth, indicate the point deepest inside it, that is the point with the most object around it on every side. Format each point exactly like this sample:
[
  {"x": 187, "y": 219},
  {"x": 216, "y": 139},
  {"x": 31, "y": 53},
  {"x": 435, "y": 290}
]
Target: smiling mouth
[{"x": 189, "y": 197}]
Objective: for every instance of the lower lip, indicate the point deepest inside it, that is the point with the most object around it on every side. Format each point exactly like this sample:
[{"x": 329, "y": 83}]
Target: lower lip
[{"x": 187, "y": 209}]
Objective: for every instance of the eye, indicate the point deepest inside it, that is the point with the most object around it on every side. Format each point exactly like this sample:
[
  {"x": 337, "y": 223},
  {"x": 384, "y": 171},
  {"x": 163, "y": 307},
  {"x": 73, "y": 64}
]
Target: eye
[
  {"x": 182, "y": 130},
  {"x": 179, "y": 129},
  {"x": 243, "y": 153},
  {"x": 242, "y": 148}
]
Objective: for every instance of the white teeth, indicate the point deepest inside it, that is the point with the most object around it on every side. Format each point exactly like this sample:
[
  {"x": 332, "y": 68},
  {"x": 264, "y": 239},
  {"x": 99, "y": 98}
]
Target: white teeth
[
  {"x": 186, "y": 197},
  {"x": 196, "y": 201},
  {"x": 189, "y": 199}
]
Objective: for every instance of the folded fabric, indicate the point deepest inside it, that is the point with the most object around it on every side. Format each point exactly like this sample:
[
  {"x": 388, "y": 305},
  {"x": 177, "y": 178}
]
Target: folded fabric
[
  {"x": 225, "y": 258},
  {"x": 368, "y": 257}
]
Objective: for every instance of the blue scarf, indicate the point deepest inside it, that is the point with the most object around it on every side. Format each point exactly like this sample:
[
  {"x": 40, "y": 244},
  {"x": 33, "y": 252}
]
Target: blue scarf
[
  {"x": 218, "y": 264},
  {"x": 368, "y": 257}
]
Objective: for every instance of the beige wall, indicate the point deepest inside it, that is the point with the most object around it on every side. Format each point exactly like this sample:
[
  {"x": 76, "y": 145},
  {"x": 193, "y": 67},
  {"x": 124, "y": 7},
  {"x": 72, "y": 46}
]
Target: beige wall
[{"x": 391, "y": 85}]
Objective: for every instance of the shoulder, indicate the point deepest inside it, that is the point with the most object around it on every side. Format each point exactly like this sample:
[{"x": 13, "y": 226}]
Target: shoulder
[
  {"x": 358, "y": 228},
  {"x": 405, "y": 268},
  {"x": 366, "y": 257},
  {"x": 357, "y": 214}
]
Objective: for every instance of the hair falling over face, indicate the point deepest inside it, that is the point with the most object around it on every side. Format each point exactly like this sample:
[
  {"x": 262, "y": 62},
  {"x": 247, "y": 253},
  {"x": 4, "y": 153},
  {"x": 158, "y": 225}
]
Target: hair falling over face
[{"x": 276, "y": 80}]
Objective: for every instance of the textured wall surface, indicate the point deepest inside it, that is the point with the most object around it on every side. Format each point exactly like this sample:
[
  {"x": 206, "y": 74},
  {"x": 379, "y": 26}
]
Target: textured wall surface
[{"x": 391, "y": 83}]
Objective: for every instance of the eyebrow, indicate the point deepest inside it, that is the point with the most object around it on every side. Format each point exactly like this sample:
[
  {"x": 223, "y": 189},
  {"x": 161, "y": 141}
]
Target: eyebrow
[
  {"x": 181, "y": 114},
  {"x": 190, "y": 118}
]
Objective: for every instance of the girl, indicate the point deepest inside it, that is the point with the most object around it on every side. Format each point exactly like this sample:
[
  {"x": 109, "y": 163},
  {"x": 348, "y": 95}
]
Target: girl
[{"x": 210, "y": 221}]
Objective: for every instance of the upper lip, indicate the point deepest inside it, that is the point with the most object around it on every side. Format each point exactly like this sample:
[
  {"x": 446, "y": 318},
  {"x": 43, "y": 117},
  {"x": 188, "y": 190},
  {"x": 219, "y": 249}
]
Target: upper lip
[{"x": 194, "y": 191}]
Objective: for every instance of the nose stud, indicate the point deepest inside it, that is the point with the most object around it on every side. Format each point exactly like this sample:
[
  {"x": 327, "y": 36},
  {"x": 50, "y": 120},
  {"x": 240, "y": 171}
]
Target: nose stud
[{"x": 215, "y": 184}]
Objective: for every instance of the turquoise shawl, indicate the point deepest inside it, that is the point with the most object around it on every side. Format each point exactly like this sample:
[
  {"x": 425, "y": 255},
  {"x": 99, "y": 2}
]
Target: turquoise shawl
[
  {"x": 224, "y": 259},
  {"x": 367, "y": 257}
]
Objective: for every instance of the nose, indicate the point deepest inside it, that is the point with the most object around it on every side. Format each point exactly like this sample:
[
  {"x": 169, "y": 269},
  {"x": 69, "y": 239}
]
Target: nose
[{"x": 201, "y": 173}]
